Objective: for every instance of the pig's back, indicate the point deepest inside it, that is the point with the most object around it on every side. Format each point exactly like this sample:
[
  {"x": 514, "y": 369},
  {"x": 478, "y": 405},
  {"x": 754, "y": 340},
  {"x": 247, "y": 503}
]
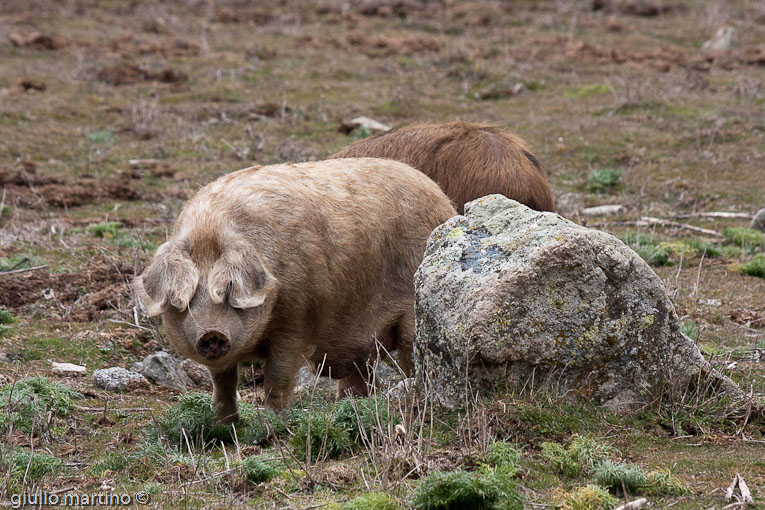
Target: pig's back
[{"x": 339, "y": 235}]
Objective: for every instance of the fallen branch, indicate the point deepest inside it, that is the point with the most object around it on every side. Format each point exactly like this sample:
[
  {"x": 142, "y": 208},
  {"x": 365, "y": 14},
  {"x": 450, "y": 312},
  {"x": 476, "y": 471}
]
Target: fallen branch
[
  {"x": 24, "y": 270},
  {"x": 717, "y": 214},
  {"x": 116, "y": 410},
  {"x": 633, "y": 505},
  {"x": 649, "y": 220}
]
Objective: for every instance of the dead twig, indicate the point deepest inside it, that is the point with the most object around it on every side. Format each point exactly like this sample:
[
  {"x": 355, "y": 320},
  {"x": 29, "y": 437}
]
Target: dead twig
[
  {"x": 23, "y": 270},
  {"x": 633, "y": 505}
]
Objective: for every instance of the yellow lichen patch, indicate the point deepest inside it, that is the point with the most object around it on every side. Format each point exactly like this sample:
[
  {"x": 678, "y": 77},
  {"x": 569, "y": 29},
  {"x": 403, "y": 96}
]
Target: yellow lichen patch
[
  {"x": 648, "y": 321},
  {"x": 587, "y": 339},
  {"x": 455, "y": 233}
]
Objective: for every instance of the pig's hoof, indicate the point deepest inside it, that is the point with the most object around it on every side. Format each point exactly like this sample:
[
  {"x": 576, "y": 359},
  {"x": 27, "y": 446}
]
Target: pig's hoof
[{"x": 227, "y": 417}]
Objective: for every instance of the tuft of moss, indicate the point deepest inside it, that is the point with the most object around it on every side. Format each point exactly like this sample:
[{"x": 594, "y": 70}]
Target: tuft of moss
[
  {"x": 663, "y": 482},
  {"x": 258, "y": 469},
  {"x": 30, "y": 400},
  {"x": 755, "y": 267},
  {"x": 373, "y": 501},
  {"x": 460, "y": 489},
  {"x": 589, "y": 497},
  {"x": 362, "y": 417},
  {"x": 194, "y": 417},
  {"x": 620, "y": 477},
  {"x": 601, "y": 181}
]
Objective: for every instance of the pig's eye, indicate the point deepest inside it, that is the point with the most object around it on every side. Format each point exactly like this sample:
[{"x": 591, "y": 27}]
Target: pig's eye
[{"x": 229, "y": 290}]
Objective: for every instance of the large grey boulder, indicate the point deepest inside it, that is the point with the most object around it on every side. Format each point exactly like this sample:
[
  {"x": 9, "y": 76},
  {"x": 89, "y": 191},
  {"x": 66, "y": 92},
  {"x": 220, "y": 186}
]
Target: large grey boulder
[{"x": 508, "y": 295}]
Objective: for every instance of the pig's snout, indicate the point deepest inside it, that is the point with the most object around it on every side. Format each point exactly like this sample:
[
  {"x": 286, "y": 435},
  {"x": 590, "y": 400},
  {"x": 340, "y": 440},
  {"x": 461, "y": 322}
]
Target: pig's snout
[{"x": 213, "y": 345}]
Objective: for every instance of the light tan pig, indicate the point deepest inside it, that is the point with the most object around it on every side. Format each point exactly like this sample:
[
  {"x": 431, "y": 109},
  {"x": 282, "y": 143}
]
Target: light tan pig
[{"x": 287, "y": 263}]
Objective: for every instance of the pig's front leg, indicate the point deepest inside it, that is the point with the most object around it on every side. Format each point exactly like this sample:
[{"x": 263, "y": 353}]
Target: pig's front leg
[
  {"x": 224, "y": 393},
  {"x": 282, "y": 365}
]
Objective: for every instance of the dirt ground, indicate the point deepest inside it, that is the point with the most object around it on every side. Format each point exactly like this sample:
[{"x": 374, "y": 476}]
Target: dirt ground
[{"x": 195, "y": 89}]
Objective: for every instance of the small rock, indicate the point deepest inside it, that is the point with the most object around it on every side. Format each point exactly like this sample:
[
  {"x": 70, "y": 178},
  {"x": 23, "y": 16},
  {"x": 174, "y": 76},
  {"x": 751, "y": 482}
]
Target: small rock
[
  {"x": 401, "y": 389},
  {"x": 117, "y": 378},
  {"x": 721, "y": 42},
  {"x": 758, "y": 222},
  {"x": 603, "y": 210},
  {"x": 710, "y": 302},
  {"x": 198, "y": 373},
  {"x": 305, "y": 380},
  {"x": 371, "y": 124},
  {"x": 162, "y": 369},
  {"x": 67, "y": 369}
]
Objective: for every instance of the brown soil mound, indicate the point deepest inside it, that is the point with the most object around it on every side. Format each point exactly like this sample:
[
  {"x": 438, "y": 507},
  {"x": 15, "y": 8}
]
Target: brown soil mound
[
  {"x": 127, "y": 74},
  {"x": 95, "y": 288},
  {"x": 35, "y": 40},
  {"x": 35, "y": 191}
]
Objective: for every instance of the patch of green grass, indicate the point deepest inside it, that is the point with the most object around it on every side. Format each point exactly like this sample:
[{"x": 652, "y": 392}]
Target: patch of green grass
[
  {"x": 704, "y": 248},
  {"x": 755, "y": 267},
  {"x": 690, "y": 329},
  {"x": 23, "y": 463},
  {"x": 504, "y": 455},
  {"x": 583, "y": 454},
  {"x": 561, "y": 460},
  {"x": 360, "y": 133},
  {"x": 620, "y": 478},
  {"x": 595, "y": 89},
  {"x": 602, "y": 181},
  {"x": 373, "y": 501},
  {"x": 744, "y": 237},
  {"x": 460, "y": 489},
  {"x": 6, "y": 319},
  {"x": 194, "y": 417},
  {"x": 106, "y": 230},
  {"x": 115, "y": 462},
  {"x": 653, "y": 255},
  {"x": 30, "y": 400},
  {"x": 589, "y": 497},
  {"x": 101, "y": 136},
  {"x": 259, "y": 469},
  {"x": 362, "y": 417},
  {"x": 649, "y": 249},
  {"x": 557, "y": 419},
  {"x": 19, "y": 261},
  {"x": 112, "y": 231},
  {"x": 328, "y": 439}
]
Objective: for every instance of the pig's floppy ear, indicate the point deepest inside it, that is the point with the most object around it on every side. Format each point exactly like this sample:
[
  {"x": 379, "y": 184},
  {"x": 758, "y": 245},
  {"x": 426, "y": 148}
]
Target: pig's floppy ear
[
  {"x": 239, "y": 275},
  {"x": 170, "y": 278}
]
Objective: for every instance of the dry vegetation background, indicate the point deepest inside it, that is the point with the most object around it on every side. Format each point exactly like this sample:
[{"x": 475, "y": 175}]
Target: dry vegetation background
[{"x": 617, "y": 98}]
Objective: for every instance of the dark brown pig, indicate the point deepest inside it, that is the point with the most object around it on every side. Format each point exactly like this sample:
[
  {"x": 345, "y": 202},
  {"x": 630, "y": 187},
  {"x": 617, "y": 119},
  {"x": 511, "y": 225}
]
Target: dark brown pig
[
  {"x": 467, "y": 160},
  {"x": 295, "y": 262}
]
